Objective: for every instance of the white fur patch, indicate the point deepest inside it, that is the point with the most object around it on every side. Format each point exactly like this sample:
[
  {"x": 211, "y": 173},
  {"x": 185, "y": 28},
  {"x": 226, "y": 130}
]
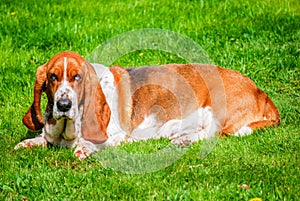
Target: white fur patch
[
  {"x": 199, "y": 125},
  {"x": 146, "y": 130},
  {"x": 243, "y": 131},
  {"x": 65, "y": 68}
]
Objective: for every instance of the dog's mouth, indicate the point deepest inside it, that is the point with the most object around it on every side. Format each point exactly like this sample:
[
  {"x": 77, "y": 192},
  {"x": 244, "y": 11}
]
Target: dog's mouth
[
  {"x": 63, "y": 117},
  {"x": 58, "y": 115}
]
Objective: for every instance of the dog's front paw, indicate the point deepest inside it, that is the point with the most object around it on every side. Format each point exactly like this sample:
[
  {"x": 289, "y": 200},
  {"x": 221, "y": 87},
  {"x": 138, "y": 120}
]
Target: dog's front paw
[
  {"x": 37, "y": 141},
  {"x": 182, "y": 139},
  {"x": 81, "y": 152},
  {"x": 179, "y": 142},
  {"x": 84, "y": 149}
]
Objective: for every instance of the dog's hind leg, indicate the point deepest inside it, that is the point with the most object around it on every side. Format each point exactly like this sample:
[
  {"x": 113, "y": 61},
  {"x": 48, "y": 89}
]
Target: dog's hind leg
[{"x": 247, "y": 130}]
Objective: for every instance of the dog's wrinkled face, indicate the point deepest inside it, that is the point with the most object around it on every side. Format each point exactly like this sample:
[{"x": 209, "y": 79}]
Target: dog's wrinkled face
[
  {"x": 76, "y": 103},
  {"x": 64, "y": 77}
]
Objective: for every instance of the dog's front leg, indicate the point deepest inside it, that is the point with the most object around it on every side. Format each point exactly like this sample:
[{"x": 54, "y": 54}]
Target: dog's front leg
[{"x": 37, "y": 141}]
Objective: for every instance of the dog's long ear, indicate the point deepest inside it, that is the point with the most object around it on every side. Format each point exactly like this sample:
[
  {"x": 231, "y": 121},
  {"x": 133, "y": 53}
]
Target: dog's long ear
[
  {"x": 33, "y": 119},
  {"x": 96, "y": 112}
]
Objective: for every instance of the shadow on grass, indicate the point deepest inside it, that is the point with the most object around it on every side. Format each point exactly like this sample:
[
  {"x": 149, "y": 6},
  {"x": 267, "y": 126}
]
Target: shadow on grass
[{"x": 31, "y": 134}]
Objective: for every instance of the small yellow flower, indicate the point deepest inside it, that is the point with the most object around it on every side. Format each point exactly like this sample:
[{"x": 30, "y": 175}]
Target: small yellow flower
[
  {"x": 256, "y": 199},
  {"x": 12, "y": 13},
  {"x": 141, "y": 54}
]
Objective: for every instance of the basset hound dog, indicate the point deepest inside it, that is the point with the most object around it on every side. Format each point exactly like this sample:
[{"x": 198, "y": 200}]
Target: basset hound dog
[{"x": 91, "y": 106}]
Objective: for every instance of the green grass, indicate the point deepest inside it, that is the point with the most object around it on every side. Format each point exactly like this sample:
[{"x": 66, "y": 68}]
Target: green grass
[{"x": 260, "y": 39}]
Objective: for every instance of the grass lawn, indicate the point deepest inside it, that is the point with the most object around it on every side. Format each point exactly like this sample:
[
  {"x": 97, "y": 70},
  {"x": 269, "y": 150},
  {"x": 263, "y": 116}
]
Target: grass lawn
[{"x": 260, "y": 39}]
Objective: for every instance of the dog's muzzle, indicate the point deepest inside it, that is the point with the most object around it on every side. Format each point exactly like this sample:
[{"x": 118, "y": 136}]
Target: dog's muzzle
[{"x": 65, "y": 102}]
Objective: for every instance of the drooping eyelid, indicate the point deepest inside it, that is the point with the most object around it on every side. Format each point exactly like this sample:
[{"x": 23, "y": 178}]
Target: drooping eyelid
[
  {"x": 74, "y": 74},
  {"x": 53, "y": 77},
  {"x": 55, "y": 72}
]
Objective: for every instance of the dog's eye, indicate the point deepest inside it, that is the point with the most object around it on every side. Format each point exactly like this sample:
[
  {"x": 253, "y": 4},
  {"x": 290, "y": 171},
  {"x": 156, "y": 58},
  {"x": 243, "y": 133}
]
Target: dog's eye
[
  {"x": 53, "y": 77},
  {"x": 77, "y": 77}
]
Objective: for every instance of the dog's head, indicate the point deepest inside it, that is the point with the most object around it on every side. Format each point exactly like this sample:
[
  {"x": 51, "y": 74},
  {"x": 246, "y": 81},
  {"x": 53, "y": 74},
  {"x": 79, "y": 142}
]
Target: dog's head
[{"x": 70, "y": 83}]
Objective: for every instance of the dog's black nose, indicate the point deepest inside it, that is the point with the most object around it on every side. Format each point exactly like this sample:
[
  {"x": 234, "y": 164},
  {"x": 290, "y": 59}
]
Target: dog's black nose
[{"x": 64, "y": 105}]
